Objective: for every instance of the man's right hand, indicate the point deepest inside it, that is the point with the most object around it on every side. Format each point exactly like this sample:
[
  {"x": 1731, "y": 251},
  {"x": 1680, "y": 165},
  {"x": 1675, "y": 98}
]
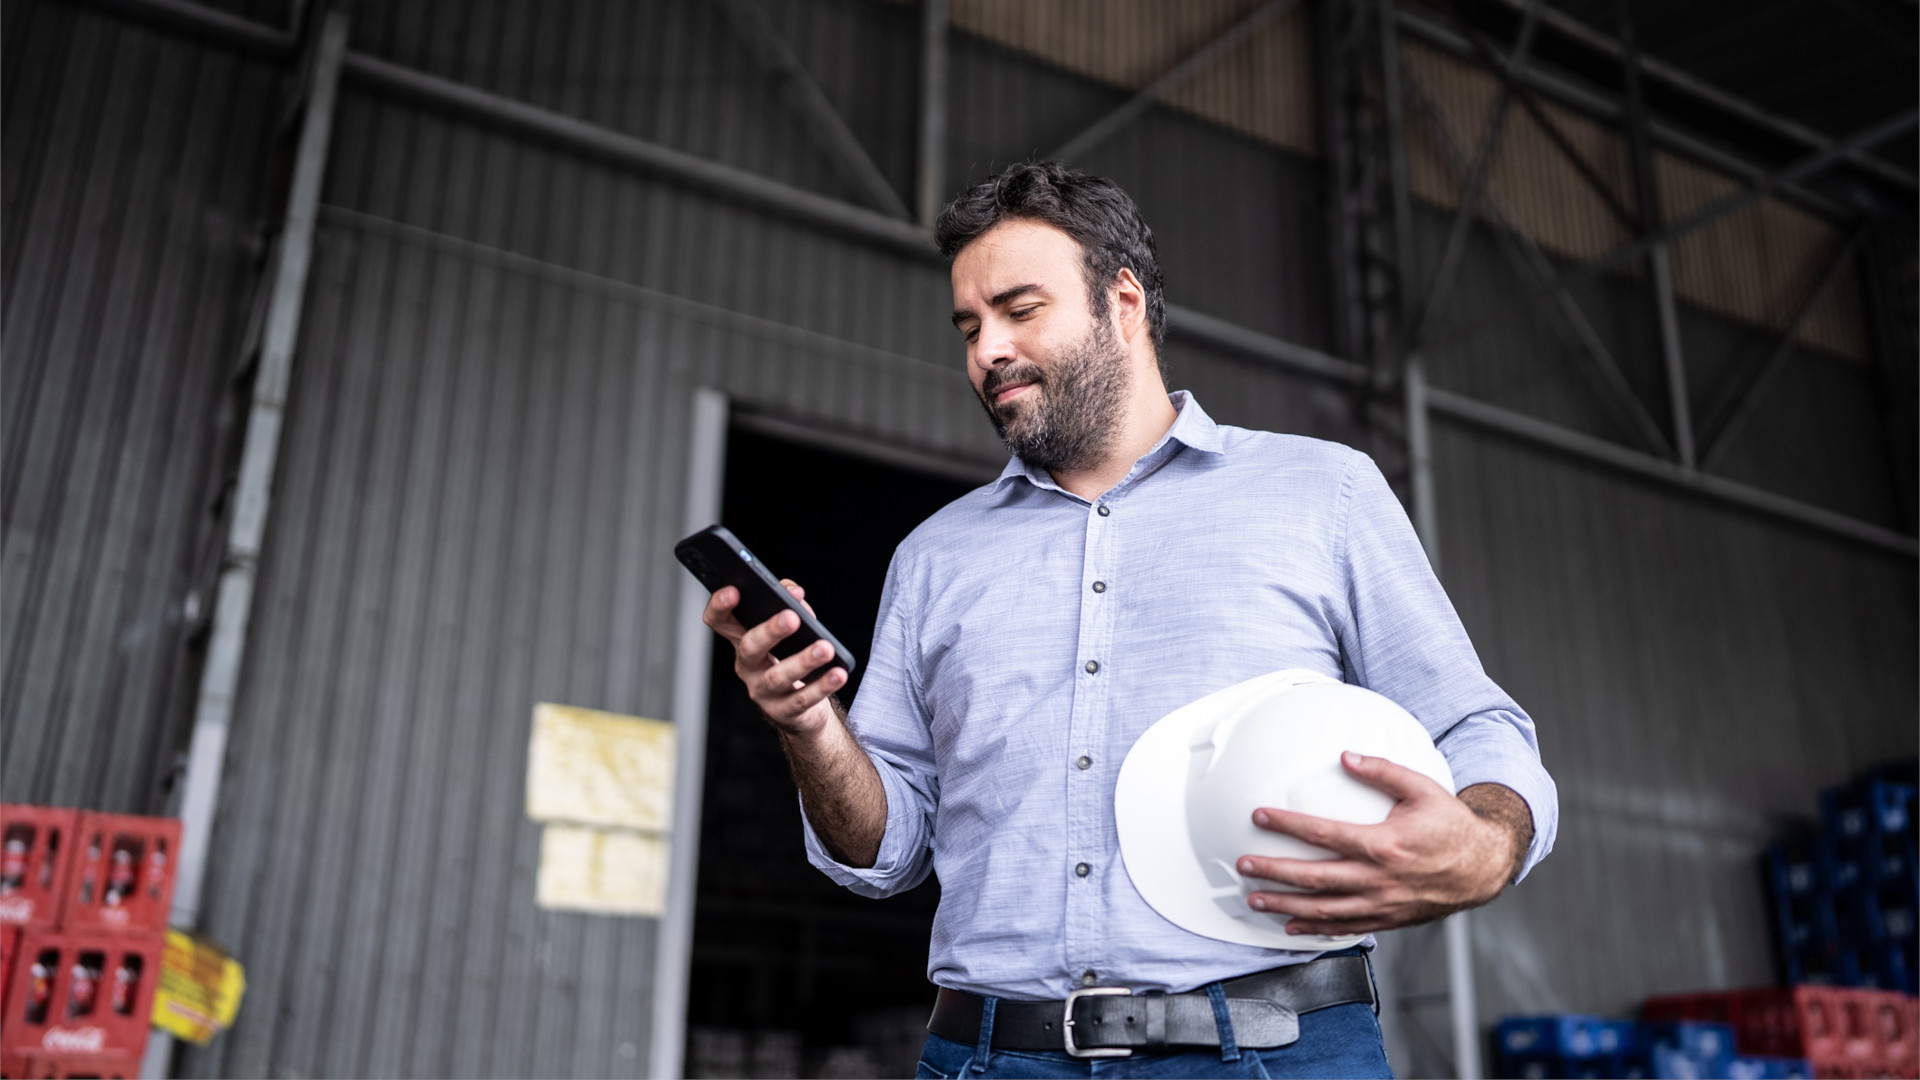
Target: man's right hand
[{"x": 795, "y": 708}]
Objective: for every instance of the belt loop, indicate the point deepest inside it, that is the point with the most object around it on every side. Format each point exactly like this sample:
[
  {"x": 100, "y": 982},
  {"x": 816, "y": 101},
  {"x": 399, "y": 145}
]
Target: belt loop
[
  {"x": 983, "y": 1053},
  {"x": 1229, "y": 1048}
]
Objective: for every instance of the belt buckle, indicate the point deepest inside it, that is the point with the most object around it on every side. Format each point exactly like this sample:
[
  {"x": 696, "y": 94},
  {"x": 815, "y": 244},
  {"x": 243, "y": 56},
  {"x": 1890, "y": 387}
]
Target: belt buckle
[{"x": 1066, "y": 1023}]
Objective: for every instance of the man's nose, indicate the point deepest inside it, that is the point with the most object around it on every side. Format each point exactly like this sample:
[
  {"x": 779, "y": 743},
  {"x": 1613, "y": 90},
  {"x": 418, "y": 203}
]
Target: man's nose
[{"x": 993, "y": 347}]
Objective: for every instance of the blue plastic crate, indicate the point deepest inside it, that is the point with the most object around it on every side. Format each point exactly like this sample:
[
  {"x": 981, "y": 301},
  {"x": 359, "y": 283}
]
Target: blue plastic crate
[
  {"x": 1792, "y": 870},
  {"x": 1769, "y": 1068},
  {"x": 1853, "y": 811},
  {"x": 1509, "y": 1067},
  {"x": 1666, "y": 1061},
  {"x": 1561, "y": 1035},
  {"x": 1700, "y": 1040}
]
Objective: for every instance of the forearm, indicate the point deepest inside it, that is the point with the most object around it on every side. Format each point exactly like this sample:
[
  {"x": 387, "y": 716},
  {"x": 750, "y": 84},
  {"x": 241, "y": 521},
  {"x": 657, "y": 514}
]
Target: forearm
[
  {"x": 1500, "y": 805},
  {"x": 840, "y": 791}
]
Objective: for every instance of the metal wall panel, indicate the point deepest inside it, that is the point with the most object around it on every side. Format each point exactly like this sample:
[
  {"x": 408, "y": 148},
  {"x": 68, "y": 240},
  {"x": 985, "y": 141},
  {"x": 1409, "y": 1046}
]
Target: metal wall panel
[
  {"x": 133, "y": 170},
  {"x": 1697, "y": 674}
]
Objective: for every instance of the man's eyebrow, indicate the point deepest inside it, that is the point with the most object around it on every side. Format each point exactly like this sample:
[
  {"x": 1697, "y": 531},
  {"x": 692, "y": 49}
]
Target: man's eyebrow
[{"x": 998, "y": 299}]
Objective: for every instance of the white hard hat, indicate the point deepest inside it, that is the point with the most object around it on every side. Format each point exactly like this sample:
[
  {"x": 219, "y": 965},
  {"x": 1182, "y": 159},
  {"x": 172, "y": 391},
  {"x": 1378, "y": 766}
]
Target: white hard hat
[{"x": 1187, "y": 791}]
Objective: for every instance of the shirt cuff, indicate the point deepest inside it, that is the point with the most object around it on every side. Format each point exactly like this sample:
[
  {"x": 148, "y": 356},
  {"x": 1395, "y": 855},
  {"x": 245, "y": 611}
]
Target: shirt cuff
[
  {"x": 901, "y": 863},
  {"x": 1493, "y": 751}
]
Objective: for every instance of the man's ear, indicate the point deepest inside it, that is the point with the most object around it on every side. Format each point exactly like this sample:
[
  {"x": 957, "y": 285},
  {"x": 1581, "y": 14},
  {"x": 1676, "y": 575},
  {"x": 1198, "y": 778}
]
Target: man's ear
[{"x": 1129, "y": 304}]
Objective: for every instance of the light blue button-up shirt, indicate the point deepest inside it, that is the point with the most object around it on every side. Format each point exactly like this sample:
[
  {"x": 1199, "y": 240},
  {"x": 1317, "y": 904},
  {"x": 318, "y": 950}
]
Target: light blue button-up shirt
[{"x": 1023, "y": 629}]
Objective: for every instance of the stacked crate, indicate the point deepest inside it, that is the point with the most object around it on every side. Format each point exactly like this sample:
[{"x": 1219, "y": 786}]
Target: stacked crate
[
  {"x": 1565, "y": 1045},
  {"x": 1841, "y": 1032},
  {"x": 1845, "y": 899},
  {"x": 84, "y": 899}
]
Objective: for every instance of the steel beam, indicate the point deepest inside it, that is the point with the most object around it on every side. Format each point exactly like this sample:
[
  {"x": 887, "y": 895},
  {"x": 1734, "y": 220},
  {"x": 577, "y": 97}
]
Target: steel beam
[
  {"x": 1476, "y": 178},
  {"x": 1600, "y": 106},
  {"x": 1600, "y": 451},
  {"x": 706, "y": 450},
  {"x": 1530, "y": 101},
  {"x": 1659, "y": 267},
  {"x": 1533, "y": 263},
  {"x": 1195, "y": 62},
  {"x": 933, "y": 110},
  {"x": 822, "y": 120},
  {"x": 588, "y": 138},
  {"x": 1701, "y": 90},
  {"x": 1738, "y": 407},
  {"x": 1704, "y": 216},
  {"x": 285, "y": 289}
]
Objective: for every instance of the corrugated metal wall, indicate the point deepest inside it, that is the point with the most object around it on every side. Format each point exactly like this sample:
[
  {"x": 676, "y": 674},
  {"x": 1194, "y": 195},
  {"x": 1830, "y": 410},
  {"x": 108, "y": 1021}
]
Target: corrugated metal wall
[
  {"x": 482, "y": 466},
  {"x": 132, "y": 171},
  {"x": 1698, "y": 674}
]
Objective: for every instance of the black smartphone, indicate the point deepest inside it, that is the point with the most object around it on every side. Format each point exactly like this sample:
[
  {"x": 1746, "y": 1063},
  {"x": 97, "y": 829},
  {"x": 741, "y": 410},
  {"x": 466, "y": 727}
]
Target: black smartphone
[{"x": 718, "y": 559}]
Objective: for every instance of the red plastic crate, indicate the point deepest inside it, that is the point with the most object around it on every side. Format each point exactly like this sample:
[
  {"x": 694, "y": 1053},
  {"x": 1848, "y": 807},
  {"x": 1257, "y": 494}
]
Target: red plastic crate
[
  {"x": 82, "y": 1067},
  {"x": 36, "y": 851},
  {"x": 82, "y": 994},
  {"x": 122, "y": 874},
  {"x": 1895, "y": 1018}
]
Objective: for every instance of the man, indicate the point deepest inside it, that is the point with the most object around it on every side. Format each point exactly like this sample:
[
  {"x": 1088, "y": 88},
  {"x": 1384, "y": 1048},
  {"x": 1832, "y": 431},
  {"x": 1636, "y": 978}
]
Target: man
[{"x": 1132, "y": 557}]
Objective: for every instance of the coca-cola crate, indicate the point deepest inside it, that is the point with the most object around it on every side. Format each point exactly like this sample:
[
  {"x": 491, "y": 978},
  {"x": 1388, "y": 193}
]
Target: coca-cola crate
[
  {"x": 82, "y": 1067},
  {"x": 36, "y": 851},
  {"x": 12, "y": 1066},
  {"x": 1895, "y": 1019},
  {"x": 122, "y": 876},
  {"x": 82, "y": 993}
]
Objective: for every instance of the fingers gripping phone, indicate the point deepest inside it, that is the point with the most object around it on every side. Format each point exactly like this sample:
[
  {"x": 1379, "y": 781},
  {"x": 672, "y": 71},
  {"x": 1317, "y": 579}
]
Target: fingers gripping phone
[{"x": 718, "y": 559}]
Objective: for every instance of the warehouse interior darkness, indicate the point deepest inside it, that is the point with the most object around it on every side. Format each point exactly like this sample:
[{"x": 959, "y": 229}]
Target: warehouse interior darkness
[{"x": 794, "y": 975}]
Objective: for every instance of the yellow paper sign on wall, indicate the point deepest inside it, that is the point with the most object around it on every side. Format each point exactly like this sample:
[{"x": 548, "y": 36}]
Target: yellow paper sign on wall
[
  {"x": 200, "y": 989},
  {"x": 600, "y": 768},
  {"x": 605, "y": 871}
]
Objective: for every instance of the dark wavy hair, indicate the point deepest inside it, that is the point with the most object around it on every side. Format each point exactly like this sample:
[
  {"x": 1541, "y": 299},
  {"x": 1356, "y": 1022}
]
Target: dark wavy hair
[{"x": 1099, "y": 216}]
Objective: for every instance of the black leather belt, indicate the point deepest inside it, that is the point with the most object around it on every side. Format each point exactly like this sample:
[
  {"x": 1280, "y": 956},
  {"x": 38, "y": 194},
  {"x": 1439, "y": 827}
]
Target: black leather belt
[{"x": 1112, "y": 1021}]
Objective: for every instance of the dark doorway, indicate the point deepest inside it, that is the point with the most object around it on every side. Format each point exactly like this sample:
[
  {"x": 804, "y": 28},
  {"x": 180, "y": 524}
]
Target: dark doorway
[{"x": 793, "y": 975}]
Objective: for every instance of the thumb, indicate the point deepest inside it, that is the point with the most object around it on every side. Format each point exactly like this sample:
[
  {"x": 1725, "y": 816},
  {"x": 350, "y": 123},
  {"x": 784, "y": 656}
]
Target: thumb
[{"x": 1396, "y": 780}]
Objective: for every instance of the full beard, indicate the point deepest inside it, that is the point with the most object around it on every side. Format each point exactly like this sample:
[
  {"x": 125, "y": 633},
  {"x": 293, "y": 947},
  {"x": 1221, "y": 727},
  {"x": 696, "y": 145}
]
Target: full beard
[{"x": 1071, "y": 416}]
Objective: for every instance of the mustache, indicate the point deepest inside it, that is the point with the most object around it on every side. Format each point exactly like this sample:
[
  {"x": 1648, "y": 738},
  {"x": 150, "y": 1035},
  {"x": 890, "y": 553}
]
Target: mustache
[{"x": 999, "y": 378}]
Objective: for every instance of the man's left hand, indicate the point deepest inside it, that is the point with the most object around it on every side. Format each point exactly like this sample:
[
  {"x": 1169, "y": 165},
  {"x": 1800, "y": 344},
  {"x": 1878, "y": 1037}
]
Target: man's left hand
[{"x": 1435, "y": 854}]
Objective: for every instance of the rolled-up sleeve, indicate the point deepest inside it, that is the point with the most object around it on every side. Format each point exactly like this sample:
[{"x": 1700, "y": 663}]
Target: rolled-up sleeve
[
  {"x": 1403, "y": 639},
  {"x": 890, "y": 724}
]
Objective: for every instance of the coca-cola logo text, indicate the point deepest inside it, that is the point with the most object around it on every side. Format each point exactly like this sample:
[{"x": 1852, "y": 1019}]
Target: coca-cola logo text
[
  {"x": 86, "y": 1040},
  {"x": 16, "y": 909}
]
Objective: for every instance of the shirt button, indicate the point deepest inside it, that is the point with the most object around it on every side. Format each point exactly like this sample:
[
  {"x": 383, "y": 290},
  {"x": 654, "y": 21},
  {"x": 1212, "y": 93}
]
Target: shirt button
[
  {"x": 1099, "y": 586},
  {"x": 1084, "y": 762},
  {"x": 1103, "y": 510},
  {"x": 1083, "y": 870},
  {"x": 1087, "y": 977},
  {"x": 1093, "y": 667}
]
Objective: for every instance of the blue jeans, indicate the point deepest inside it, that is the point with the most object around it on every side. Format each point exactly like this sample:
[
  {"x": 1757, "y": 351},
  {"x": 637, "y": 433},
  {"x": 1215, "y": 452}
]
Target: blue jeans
[{"x": 1341, "y": 1041}]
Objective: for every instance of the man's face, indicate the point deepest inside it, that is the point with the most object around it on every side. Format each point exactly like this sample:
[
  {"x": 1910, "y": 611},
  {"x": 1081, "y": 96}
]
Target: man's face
[{"x": 1053, "y": 379}]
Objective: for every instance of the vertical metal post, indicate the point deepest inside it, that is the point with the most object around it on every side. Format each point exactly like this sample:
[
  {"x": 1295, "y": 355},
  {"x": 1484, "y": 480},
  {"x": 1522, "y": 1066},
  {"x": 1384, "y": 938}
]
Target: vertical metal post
[
  {"x": 1459, "y": 930},
  {"x": 692, "y": 668},
  {"x": 253, "y": 489},
  {"x": 933, "y": 109},
  {"x": 1659, "y": 267}
]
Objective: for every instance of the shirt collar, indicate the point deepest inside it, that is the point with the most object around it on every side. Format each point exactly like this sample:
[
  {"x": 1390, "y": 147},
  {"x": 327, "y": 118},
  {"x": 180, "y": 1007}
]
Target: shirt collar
[{"x": 1192, "y": 427}]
